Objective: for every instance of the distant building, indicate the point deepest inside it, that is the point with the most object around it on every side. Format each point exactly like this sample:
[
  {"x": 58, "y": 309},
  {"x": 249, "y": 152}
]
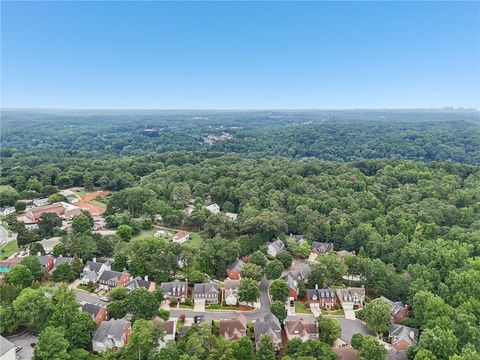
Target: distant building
[
  {"x": 150, "y": 132},
  {"x": 62, "y": 209},
  {"x": 321, "y": 248},
  {"x": 232, "y": 216},
  {"x": 110, "y": 279},
  {"x": 399, "y": 311},
  {"x": 298, "y": 239},
  {"x": 139, "y": 283},
  {"x": 181, "y": 237},
  {"x": 169, "y": 330},
  {"x": 206, "y": 293},
  {"x": 269, "y": 326},
  {"x": 276, "y": 247},
  {"x": 7, "y": 265},
  {"x": 292, "y": 287},
  {"x": 175, "y": 289},
  {"x": 111, "y": 334},
  {"x": 47, "y": 262},
  {"x": 49, "y": 244},
  {"x": 92, "y": 271},
  {"x": 98, "y": 313},
  {"x": 213, "y": 208},
  {"x": 401, "y": 337},
  {"x": 234, "y": 328},
  {"x": 301, "y": 329},
  {"x": 351, "y": 297},
  {"x": 234, "y": 269},
  {"x": 231, "y": 291},
  {"x": 322, "y": 298}
]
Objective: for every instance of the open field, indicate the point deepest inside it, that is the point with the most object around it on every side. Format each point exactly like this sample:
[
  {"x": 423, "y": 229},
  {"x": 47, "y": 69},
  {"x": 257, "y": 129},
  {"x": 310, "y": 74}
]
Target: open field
[
  {"x": 91, "y": 202},
  {"x": 195, "y": 238}
]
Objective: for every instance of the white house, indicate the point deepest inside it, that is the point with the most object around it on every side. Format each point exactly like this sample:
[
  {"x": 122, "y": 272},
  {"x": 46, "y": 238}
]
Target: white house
[
  {"x": 276, "y": 247},
  {"x": 231, "y": 216},
  {"x": 213, "y": 208},
  {"x": 7, "y": 349},
  {"x": 231, "y": 291},
  {"x": 181, "y": 237},
  {"x": 111, "y": 334},
  {"x": 49, "y": 244}
]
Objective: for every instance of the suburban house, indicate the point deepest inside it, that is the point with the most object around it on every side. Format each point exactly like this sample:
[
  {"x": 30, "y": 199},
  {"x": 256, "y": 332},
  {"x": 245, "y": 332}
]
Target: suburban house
[
  {"x": 97, "y": 312},
  {"x": 232, "y": 216},
  {"x": 234, "y": 269},
  {"x": 321, "y": 248},
  {"x": 231, "y": 291},
  {"x": 322, "y": 298},
  {"x": 111, "y": 334},
  {"x": 292, "y": 286},
  {"x": 401, "y": 337},
  {"x": 298, "y": 239},
  {"x": 139, "y": 283},
  {"x": 62, "y": 209},
  {"x": 301, "y": 329},
  {"x": 47, "y": 262},
  {"x": 344, "y": 253},
  {"x": 351, "y": 297},
  {"x": 347, "y": 353},
  {"x": 7, "y": 349},
  {"x": 276, "y": 247},
  {"x": 399, "y": 310},
  {"x": 301, "y": 271},
  {"x": 206, "y": 292},
  {"x": 92, "y": 270},
  {"x": 189, "y": 209},
  {"x": 175, "y": 289},
  {"x": 49, "y": 244},
  {"x": 181, "y": 237},
  {"x": 7, "y": 265},
  {"x": 269, "y": 326},
  {"x": 110, "y": 279},
  {"x": 213, "y": 208},
  {"x": 234, "y": 328},
  {"x": 62, "y": 259},
  {"x": 169, "y": 329}
]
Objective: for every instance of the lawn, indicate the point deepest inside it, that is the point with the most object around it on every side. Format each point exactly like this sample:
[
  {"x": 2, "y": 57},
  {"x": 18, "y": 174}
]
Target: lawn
[
  {"x": 98, "y": 203},
  {"x": 339, "y": 312},
  {"x": 195, "y": 240},
  {"x": 80, "y": 192},
  {"x": 9, "y": 249},
  {"x": 300, "y": 308}
]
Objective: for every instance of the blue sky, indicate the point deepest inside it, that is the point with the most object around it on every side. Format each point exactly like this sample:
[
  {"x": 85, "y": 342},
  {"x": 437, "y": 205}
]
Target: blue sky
[{"x": 240, "y": 55}]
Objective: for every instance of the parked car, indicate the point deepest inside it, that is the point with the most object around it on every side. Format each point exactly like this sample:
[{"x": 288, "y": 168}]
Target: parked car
[{"x": 104, "y": 298}]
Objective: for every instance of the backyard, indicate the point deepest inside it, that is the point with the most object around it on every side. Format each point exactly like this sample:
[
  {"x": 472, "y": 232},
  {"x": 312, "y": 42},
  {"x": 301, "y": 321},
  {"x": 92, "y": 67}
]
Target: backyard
[{"x": 195, "y": 239}]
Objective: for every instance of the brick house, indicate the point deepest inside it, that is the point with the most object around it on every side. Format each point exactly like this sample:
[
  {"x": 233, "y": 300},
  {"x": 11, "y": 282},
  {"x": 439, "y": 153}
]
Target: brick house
[
  {"x": 322, "y": 298},
  {"x": 98, "y": 313}
]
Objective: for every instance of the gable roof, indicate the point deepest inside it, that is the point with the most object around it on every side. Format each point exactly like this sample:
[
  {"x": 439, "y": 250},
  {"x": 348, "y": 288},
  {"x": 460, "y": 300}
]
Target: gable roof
[
  {"x": 301, "y": 327},
  {"x": 206, "y": 288},
  {"x": 236, "y": 265},
  {"x": 138, "y": 282},
  {"x": 168, "y": 327},
  {"x": 291, "y": 282},
  {"x": 174, "y": 286},
  {"x": 396, "y": 307},
  {"x": 234, "y": 328},
  {"x": 62, "y": 259},
  {"x": 231, "y": 284},
  {"x": 270, "y": 325},
  {"x": 322, "y": 247},
  {"x": 110, "y": 275},
  {"x": 316, "y": 294},
  {"x": 111, "y": 329},
  {"x": 93, "y": 266},
  {"x": 277, "y": 245},
  {"x": 402, "y": 332},
  {"x": 181, "y": 234},
  {"x": 92, "y": 309}
]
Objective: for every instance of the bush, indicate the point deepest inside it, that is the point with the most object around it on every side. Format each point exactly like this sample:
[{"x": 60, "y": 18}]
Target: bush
[
  {"x": 164, "y": 314},
  {"x": 188, "y": 302},
  {"x": 173, "y": 302}
]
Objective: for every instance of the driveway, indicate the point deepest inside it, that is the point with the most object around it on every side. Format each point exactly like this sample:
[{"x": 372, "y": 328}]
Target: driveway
[
  {"x": 24, "y": 340},
  {"x": 350, "y": 327},
  {"x": 349, "y": 313},
  {"x": 199, "y": 306}
]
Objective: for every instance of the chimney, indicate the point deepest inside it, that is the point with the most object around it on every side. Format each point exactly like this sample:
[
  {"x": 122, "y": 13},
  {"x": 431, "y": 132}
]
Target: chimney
[
  {"x": 146, "y": 277},
  {"x": 316, "y": 286},
  {"x": 94, "y": 259},
  {"x": 39, "y": 253}
]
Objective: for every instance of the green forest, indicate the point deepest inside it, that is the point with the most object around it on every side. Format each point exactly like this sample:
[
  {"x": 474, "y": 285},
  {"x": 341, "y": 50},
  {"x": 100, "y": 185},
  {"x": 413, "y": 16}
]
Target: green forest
[{"x": 400, "y": 189}]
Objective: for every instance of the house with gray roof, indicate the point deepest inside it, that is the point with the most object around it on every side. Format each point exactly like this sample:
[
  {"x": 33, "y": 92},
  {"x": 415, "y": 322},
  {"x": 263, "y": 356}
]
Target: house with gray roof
[
  {"x": 322, "y": 298},
  {"x": 399, "y": 310},
  {"x": 276, "y": 247},
  {"x": 111, "y": 334},
  {"x": 321, "y": 248},
  {"x": 92, "y": 270},
  {"x": 139, "y": 283},
  {"x": 109, "y": 279},
  {"x": 401, "y": 337},
  {"x": 268, "y": 326},
  {"x": 175, "y": 289},
  {"x": 206, "y": 293},
  {"x": 98, "y": 313}
]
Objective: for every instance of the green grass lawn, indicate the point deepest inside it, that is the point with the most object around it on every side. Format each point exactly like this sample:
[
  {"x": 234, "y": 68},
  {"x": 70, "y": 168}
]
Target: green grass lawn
[
  {"x": 338, "y": 312},
  {"x": 9, "y": 249},
  {"x": 195, "y": 240},
  {"x": 300, "y": 308},
  {"x": 80, "y": 192}
]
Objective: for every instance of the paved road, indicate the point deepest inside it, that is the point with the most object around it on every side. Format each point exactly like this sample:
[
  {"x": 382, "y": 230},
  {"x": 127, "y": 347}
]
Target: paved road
[
  {"x": 3, "y": 235},
  {"x": 350, "y": 327}
]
